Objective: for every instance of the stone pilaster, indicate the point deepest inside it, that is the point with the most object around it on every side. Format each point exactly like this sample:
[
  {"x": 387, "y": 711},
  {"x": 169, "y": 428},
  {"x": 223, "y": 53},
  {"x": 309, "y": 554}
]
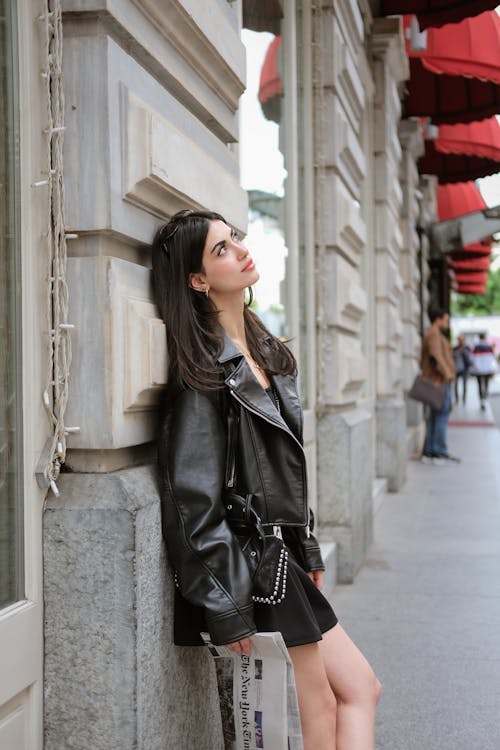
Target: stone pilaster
[
  {"x": 344, "y": 430},
  {"x": 113, "y": 677},
  {"x": 390, "y": 68},
  {"x": 412, "y": 145}
]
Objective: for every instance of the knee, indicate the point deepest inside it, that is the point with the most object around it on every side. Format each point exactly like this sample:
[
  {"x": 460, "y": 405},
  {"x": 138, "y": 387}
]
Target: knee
[{"x": 371, "y": 691}]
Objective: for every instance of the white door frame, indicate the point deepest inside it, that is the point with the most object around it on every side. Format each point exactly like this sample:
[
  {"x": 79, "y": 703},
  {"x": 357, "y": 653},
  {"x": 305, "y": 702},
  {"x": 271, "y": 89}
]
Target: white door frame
[{"x": 21, "y": 624}]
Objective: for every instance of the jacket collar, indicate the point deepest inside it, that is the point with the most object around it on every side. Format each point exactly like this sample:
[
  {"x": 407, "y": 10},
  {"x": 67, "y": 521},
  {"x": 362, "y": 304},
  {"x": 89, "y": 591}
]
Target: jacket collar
[{"x": 240, "y": 379}]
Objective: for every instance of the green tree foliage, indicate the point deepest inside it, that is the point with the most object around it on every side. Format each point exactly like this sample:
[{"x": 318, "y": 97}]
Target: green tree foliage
[{"x": 480, "y": 304}]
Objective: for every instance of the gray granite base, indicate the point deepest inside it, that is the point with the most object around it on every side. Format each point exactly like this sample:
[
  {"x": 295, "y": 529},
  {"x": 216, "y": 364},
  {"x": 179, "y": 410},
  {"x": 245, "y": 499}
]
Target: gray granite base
[
  {"x": 391, "y": 445},
  {"x": 113, "y": 678},
  {"x": 345, "y": 476}
]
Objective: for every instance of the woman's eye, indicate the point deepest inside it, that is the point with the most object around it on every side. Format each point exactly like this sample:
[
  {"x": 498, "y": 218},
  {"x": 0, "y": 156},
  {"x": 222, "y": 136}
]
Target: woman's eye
[
  {"x": 222, "y": 250},
  {"x": 234, "y": 236}
]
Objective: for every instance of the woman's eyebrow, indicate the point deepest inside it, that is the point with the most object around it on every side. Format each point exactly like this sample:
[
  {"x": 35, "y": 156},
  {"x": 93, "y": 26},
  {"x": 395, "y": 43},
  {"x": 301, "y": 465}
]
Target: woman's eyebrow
[
  {"x": 218, "y": 244},
  {"x": 221, "y": 242}
]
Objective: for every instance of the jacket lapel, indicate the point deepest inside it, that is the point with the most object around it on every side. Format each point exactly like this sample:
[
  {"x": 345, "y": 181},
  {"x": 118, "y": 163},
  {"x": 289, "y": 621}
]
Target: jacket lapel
[
  {"x": 240, "y": 379},
  {"x": 286, "y": 388}
]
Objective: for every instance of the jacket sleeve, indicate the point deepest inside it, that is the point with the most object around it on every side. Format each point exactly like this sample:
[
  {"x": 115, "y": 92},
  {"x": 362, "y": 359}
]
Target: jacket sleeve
[
  {"x": 306, "y": 545},
  {"x": 211, "y": 570},
  {"x": 444, "y": 366}
]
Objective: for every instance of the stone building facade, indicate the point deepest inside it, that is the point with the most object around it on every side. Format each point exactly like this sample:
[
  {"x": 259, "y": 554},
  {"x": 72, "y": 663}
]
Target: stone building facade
[{"x": 152, "y": 125}]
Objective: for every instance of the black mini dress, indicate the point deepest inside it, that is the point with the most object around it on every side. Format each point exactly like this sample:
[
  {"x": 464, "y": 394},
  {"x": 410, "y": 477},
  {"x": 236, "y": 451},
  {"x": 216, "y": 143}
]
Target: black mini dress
[{"x": 301, "y": 617}]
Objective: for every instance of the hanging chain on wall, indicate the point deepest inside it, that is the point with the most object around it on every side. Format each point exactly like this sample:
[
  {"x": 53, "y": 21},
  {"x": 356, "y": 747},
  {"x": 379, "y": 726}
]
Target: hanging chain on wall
[{"x": 55, "y": 395}]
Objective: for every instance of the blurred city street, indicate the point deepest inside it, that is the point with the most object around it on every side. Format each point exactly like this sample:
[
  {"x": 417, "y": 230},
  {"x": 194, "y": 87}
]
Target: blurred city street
[{"x": 425, "y": 608}]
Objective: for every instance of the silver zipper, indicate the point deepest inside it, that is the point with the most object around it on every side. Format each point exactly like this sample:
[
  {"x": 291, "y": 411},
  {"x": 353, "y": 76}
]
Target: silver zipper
[{"x": 277, "y": 424}]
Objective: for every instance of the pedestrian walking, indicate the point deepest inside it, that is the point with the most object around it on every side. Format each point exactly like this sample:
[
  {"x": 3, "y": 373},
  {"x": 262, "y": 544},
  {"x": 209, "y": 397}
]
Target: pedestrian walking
[
  {"x": 484, "y": 367},
  {"x": 437, "y": 364},
  {"x": 462, "y": 357},
  {"x": 231, "y": 434}
]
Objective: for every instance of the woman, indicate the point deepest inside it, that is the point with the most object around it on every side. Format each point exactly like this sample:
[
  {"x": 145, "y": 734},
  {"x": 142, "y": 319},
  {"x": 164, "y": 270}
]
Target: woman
[{"x": 229, "y": 376}]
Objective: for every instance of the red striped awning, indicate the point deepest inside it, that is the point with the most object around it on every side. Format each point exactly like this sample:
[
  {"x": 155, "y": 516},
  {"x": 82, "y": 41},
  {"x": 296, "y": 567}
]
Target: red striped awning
[
  {"x": 271, "y": 86},
  {"x": 469, "y": 48},
  {"x": 457, "y": 199},
  {"x": 477, "y": 249},
  {"x": 471, "y": 289},
  {"x": 479, "y": 263},
  {"x": 471, "y": 277},
  {"x": 456, "y": 78},
  {"x": 436, "y": 12},
  {"x": 463, "y": 152}
]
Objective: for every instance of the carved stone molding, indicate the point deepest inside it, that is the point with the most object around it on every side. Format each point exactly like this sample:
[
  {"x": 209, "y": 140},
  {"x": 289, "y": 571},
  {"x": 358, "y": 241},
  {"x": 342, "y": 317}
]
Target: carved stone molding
[
  {"x": 206, "y": 38},
  {"x": 344, "y": 299},
  {"x": 119, "y": 353},
  {"x": 387, "y": 45},
  {"x": 389, "y": 373},
  {"x": 410, "y": 135},
  {"x": 193, "y": 48},
  {"x": 343, "y": 368},
  {"x": 389, "y": 326},
  {"x": 387, "y": 185},
  {"x": 165, "y": 170},
  {"x": 341, "y": 145},
  {"x": 342, "y": 224},
  {"x": 145, "y": 355},
  {"x": 340, "y": 71},
  {"x": 388, "y": 236}
]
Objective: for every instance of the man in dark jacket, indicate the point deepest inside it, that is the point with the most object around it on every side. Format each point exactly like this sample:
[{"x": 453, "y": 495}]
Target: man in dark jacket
[
  {"x": 462, "y": 356},
  {"x": 438, "y": 365}
]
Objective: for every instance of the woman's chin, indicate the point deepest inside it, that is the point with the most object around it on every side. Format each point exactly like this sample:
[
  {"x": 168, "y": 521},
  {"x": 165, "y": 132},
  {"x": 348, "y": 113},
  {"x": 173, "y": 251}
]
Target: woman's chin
[{"x": 254, "y": 277}]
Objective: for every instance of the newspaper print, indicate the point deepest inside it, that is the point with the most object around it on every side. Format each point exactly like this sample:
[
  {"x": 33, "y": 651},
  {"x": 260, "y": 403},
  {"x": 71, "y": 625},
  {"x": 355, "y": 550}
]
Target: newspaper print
[{"x": 257, "y": 695}]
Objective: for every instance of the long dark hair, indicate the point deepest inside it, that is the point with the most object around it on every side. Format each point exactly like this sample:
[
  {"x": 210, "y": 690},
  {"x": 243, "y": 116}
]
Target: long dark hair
[{"x": 194, "y": 337}]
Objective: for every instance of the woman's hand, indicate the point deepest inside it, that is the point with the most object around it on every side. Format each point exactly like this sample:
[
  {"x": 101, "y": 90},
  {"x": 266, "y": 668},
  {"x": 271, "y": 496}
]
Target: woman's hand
[
  {"x": 241, "y": 647},
  {"x": 316, "y": 577}
]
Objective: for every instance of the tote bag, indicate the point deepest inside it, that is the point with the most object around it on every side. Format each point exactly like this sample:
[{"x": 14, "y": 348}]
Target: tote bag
[{"x": 428, "y": 392}]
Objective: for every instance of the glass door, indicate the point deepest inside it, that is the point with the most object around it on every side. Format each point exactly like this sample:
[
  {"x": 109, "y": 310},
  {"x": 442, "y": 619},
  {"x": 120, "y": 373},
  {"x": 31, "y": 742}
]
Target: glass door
[
  {"x": 11, "y": 508},
  {"x": 21, "y": 250}
]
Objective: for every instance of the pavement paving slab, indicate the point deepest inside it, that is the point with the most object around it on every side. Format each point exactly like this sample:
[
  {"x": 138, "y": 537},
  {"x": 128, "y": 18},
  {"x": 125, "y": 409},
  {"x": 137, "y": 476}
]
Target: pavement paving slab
[{"x": 425, "y": 607}]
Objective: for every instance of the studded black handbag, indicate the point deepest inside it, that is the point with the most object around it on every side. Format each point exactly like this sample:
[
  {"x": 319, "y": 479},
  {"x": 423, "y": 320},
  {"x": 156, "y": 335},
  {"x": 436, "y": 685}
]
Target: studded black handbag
[{"x": 265, "y": 552}]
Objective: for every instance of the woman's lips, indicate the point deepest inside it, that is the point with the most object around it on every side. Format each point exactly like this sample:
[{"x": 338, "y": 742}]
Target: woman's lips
[{"x": 249, "y": 265}]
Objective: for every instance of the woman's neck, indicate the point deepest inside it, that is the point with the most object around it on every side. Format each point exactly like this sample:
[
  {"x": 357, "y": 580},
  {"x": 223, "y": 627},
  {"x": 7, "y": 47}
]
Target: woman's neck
[{"x": 231, "y": 317}]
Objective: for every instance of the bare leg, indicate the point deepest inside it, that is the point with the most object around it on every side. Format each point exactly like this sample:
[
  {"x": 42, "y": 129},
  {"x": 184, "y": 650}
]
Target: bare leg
[
  {"x": 356, "y": 690},
  {"x": 316, "y": 700}
]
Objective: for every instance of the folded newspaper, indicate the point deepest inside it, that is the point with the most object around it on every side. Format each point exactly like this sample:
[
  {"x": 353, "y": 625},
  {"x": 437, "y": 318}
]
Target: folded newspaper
[{"x": 257, "y": 695}]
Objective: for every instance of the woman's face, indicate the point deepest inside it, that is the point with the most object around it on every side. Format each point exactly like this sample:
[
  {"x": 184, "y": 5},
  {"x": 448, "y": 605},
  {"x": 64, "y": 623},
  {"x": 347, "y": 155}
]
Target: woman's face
[{"x": 227, "y": 265}]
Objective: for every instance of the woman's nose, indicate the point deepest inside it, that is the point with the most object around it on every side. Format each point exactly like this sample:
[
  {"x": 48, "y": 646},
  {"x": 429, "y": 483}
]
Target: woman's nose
[{"x": 242, "y": 251}]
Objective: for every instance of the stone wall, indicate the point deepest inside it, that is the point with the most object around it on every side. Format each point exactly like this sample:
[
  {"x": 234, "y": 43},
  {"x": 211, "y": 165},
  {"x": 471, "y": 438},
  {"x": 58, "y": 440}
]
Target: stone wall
[
  {"x": 390, "y": 68},
  {"x": 345, "y": 464},
  {"x": 110, "y": 666},
  {"x": 151, "y": 92}
]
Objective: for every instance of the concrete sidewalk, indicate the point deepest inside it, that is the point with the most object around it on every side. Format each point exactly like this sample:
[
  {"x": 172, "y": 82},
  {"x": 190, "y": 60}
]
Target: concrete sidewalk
[{"x": 425, "y": 608}]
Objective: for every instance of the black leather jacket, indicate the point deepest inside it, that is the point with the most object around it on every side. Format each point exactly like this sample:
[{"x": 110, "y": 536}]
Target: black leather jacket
[{"x": 194, "y": 470}]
